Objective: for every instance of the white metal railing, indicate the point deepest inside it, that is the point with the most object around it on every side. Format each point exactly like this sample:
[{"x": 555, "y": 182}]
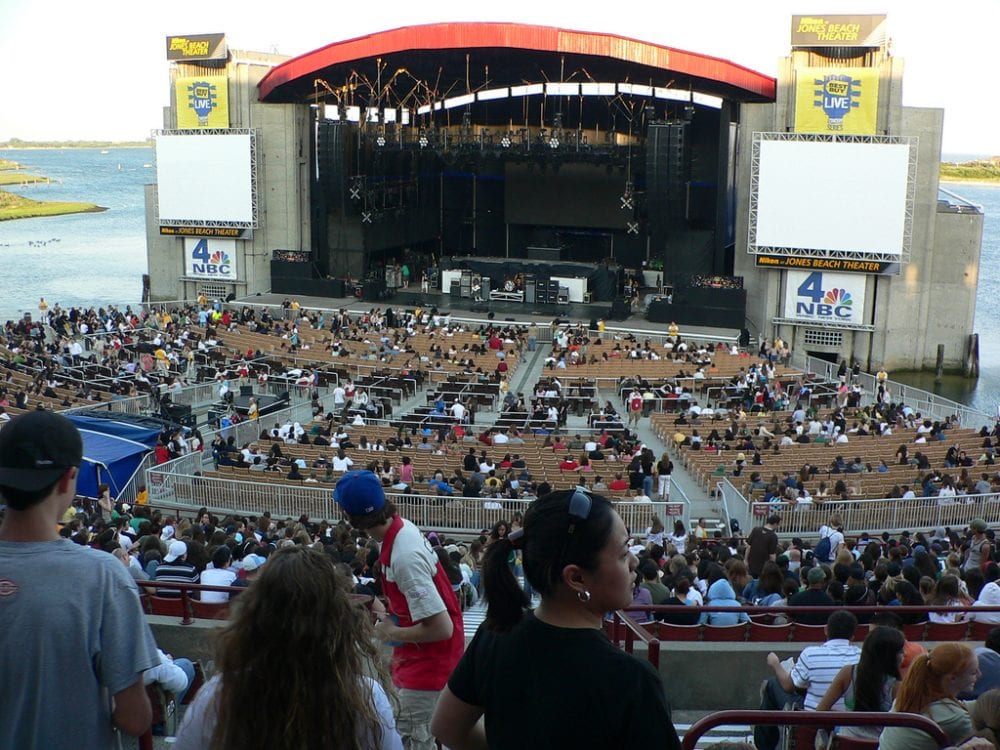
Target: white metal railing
[
  {"x": 876, "y": 516},
  {"x": 679, "y": 504},
  {"x": 185, "y": 491},
  {"x": 141, "y": 404},
  {"x": 928, "y": 404},
  {"x": 208, "y": 392},
  {"x": 128, "y": 493},
  {"x": 734, "y": 504},
  {"x": 249, "y": 430}
]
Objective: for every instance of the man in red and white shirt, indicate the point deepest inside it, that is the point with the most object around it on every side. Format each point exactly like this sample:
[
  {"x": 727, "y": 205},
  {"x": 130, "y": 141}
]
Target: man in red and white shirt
[
  {"x": 634, "y": 406},
  {"x": 425, "y": 620}
]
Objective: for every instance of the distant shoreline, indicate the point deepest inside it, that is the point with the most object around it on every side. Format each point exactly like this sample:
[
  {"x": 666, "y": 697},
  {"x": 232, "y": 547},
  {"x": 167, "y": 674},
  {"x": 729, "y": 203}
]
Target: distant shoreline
[
  {"x": 14, "y": 206},
  {"x": 54, "y": 146},
  {"x": 970, "y": 180}
]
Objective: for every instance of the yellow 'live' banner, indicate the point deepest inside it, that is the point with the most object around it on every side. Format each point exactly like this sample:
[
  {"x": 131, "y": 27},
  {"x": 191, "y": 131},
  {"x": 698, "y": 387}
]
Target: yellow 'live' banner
[
  {"x": 836, "y": 100},
  {"x": 202, "y": 102}
]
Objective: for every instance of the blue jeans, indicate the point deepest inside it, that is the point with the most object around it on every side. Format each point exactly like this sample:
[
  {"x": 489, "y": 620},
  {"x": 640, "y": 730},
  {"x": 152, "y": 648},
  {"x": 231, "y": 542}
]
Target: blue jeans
[
  {"x": 188, "y": 667},
  {"x": 774, "y": 697},
  {"x": 647, "y": 485}
]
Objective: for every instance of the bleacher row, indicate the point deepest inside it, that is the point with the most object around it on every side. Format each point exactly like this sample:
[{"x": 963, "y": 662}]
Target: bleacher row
[
  {"x": 14, "y": 378},
  {"x": 360, "y": 354},
  {"x": 871, "y": 449},
  {"x": 541, "y": 463}
]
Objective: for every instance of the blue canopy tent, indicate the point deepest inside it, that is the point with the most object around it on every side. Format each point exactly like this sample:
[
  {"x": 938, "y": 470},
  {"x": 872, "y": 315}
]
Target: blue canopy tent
[{"x": 112, "y": 452}]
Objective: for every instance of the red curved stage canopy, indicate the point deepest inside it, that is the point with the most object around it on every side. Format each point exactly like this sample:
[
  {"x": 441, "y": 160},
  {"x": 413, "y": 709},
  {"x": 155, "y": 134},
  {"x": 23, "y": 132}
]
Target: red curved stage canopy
[{"x": 510, "y": 53}]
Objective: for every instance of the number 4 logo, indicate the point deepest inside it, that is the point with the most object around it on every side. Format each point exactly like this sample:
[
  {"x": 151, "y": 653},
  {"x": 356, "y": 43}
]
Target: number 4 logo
[
  {"x": 200, "y": 251},
  {"x": 812, "y": 287}
]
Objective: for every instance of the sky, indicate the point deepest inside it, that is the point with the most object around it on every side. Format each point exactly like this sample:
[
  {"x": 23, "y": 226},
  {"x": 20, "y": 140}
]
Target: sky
[{"x": 98, "y": 71}]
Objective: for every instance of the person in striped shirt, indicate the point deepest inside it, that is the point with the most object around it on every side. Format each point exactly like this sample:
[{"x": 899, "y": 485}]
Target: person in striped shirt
[{"x": 808, "y": 680}]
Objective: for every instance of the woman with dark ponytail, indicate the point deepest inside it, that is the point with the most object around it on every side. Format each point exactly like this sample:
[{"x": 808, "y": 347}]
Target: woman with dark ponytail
[{"x": 539, "y": 665}]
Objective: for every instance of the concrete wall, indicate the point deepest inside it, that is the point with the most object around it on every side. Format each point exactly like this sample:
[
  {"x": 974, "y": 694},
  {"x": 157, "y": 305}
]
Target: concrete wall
[
  {"x": 284, "y": 143},
  {"x": 696, "y": 676},
  {"x": 932, "y": 301}
]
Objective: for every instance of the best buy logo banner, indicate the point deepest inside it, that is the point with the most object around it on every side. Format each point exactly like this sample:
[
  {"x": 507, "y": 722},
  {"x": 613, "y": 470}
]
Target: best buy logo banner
[{"x": 836, "y": 100}]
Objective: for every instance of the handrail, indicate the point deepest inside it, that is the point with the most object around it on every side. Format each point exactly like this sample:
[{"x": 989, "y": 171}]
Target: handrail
[
  {"x": 186, "y": 589},
  {"x": 813, "y": 719},
  {"x": 787, "y": 609},
  {"x": 634, "y": 632}
]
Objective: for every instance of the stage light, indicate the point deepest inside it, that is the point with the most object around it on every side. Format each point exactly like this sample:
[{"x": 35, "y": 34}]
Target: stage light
[
  {"x": 380, "y": 141},
  {"x": 424, "y": 141},
  {"x": 505, "y": 141},
  {"x": 553, "y": 142}
]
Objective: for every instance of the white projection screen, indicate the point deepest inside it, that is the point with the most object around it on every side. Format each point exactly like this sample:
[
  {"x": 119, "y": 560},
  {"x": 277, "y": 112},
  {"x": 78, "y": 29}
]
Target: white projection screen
[
  {"x": 831, "y": 196},
  {"x": 205, "y": 178}
]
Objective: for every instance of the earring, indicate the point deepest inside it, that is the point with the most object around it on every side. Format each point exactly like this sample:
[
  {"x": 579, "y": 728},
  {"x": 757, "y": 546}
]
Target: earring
[{"x": 583, "y": 596}]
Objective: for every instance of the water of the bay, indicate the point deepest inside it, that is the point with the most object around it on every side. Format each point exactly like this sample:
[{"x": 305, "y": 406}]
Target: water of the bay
[{"x": 99, "y": 258}]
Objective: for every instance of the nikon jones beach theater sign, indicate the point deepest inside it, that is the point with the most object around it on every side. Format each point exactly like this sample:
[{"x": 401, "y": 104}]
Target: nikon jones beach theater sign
[
  {"x": 197, "y": 47},
  {"x": 838, "y": 31}
]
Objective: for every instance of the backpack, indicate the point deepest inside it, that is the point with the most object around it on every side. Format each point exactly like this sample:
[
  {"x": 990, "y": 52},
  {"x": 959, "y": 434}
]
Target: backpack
[{"x": 822, "y": 551}]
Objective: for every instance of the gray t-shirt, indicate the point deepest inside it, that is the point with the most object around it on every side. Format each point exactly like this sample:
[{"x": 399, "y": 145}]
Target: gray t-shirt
[{"x": 73, "y": 635}]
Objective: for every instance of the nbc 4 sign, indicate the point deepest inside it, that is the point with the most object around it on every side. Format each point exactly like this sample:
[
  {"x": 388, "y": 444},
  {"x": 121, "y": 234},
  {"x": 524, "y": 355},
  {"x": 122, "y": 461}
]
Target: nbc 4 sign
[
  {"x": 825, "y": 297},
  {"x": 207, "y": 258}
]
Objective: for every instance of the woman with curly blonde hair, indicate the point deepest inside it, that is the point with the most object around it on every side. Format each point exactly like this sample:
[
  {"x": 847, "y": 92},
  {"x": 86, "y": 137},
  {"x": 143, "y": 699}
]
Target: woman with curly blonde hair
[{"x": 291, "y": 665}]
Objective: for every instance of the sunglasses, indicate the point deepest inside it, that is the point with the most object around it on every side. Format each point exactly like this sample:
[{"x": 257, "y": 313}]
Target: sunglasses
[{"x": 580, "y": 505}]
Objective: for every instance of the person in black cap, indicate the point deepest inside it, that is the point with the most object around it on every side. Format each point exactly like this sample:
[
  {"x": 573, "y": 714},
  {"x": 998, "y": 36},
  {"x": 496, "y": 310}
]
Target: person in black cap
[
  {"x": 426, "y": 627},
  {"x": 74, "y": 636}
]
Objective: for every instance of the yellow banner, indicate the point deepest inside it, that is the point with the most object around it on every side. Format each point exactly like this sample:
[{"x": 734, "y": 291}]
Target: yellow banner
[
  {"x": 202, "y": 102},
  {"x": 836, "y": 100}
]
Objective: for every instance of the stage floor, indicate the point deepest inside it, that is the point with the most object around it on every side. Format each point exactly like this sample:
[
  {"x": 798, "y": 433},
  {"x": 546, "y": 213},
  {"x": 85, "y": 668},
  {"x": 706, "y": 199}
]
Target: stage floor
[{"x": 503, "y": 311}]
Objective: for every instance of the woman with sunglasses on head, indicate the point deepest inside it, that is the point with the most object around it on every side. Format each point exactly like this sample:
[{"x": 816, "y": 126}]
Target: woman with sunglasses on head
[{"x": 555, "y": 661}]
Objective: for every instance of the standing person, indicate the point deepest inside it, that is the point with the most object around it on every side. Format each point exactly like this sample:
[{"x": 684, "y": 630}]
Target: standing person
[
  {"x": 634, "y": 407},
  {"x": 425, "y": 623},
  {"x": 525, "y": 667},
  {"x": 74, "y": 636},
  {"x": 664, "y": 468},
  {"x": 762, "y": 545},
  {"x": 322, "y": 696},
  {"x": 980, "y": 549}
]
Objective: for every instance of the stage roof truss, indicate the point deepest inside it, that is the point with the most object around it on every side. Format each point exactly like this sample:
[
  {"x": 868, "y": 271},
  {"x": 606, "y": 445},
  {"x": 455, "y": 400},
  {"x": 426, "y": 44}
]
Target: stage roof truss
[{"x": 463, "y": 58}]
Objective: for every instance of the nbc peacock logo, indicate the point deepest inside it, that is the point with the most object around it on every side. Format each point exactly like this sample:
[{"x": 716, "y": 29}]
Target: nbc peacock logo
[
  {"x": 219, "y": 258},
  {"x": 837, "y": 297},
  {"x": 816, "y": 302},
  {"x": 207, "y": 263}
]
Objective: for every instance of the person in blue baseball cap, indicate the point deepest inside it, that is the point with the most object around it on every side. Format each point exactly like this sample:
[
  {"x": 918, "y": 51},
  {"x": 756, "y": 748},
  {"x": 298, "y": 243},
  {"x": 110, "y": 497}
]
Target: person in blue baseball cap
[{"x": 425, "y": 626}]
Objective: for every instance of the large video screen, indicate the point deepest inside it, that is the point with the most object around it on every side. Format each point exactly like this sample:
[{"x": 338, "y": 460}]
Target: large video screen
[
  {"x": 204, "y": 178},
  {"x": 831, "y": 196},
  {"x": 578, "y": 195}
]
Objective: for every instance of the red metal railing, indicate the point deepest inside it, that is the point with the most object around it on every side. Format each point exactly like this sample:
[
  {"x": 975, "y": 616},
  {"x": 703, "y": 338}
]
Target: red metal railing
[{"x": 813, "y": 719}]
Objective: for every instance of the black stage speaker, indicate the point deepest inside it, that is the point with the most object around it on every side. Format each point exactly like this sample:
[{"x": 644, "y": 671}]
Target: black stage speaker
[
  {"x": 246, "y": 390},
  {"x": 374, "y": 290},
  {"x": 179, "y": 413},
  {"x": 620, "y": 309}
]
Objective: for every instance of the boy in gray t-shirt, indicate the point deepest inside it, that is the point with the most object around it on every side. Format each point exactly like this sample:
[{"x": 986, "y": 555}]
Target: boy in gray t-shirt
[{"x": 74, "y": 635}]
